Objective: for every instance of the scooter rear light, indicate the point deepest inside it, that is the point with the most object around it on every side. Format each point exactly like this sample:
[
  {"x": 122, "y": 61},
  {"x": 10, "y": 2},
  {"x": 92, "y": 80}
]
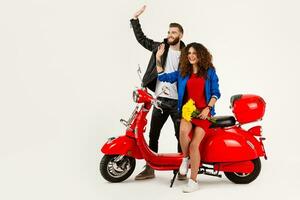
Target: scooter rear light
[
  {"x": 256, "y": 130},
  {"x": 261, "y": 139}
]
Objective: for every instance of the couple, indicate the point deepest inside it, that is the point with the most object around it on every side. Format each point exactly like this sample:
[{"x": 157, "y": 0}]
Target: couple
[{"x": 189, "y": 74}]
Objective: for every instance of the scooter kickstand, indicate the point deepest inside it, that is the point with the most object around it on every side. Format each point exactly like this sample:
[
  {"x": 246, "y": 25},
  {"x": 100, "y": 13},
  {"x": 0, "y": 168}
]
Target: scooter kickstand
[{"x": 174, "y": 177}]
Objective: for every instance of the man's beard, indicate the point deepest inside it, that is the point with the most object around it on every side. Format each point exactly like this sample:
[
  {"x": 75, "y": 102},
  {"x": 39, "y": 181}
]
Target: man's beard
[{"x": 175, "y": 41}]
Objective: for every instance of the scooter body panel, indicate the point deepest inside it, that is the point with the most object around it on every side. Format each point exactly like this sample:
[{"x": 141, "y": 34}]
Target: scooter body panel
[
  {"x": 229, "y": 145},
  {"x": 123, "y": 145}
]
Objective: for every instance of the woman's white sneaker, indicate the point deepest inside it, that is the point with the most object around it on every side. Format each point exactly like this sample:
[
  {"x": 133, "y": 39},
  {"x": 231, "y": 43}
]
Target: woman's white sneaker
[
  {"x": 191, "y": 186},
  {"x": 184, "y": 166}
]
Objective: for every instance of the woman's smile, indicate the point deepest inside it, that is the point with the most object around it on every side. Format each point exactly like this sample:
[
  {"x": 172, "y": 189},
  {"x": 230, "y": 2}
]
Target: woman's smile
[{"x": 192, "y": 56}]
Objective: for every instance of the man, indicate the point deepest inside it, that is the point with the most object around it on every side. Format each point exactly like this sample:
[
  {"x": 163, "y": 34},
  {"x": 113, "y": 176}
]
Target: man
[{"x": 169, "y": 61}]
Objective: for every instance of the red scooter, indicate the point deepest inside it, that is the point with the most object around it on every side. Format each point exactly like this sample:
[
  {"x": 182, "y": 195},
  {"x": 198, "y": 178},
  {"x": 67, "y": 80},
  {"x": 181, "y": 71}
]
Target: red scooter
[{"x": 226, "y": 147}]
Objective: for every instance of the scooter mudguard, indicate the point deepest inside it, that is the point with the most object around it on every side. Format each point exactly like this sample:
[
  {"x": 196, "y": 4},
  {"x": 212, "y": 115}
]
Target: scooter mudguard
[
  {"x": 229, "y": 145},
  {"x": 122, "y": 145}
]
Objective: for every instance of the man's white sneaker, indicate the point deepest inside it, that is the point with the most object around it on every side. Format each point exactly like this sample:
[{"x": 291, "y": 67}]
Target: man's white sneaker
[
  {"x": 184, "y": 166},
  {"x": 191, "y": 186}
]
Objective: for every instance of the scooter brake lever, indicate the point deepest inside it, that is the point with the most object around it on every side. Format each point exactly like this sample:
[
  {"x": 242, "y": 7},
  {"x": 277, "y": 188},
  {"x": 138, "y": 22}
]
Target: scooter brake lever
[{"x": 160, "y": 110}]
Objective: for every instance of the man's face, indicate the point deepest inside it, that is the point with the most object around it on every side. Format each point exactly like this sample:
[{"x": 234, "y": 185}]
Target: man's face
[{"x": 174, "y": 35}]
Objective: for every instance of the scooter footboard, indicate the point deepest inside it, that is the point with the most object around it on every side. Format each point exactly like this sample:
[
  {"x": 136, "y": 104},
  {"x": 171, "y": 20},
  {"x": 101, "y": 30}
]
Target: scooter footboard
[
  {"x": 122, "y": 145},
  {"x": 239, "y": 167}
]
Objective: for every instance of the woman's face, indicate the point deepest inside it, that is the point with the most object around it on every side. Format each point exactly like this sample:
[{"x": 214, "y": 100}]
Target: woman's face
[{"x": 192, "y": 56}]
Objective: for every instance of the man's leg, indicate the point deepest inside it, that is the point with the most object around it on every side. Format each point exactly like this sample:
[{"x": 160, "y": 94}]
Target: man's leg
[
  {"x": 176, "y": 122},
  {"x": 158, "y": 119}
]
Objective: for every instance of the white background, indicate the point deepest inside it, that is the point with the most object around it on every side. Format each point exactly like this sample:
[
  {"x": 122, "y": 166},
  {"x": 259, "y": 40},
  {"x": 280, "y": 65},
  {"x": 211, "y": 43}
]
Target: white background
[{"x": 68, "y": 68}]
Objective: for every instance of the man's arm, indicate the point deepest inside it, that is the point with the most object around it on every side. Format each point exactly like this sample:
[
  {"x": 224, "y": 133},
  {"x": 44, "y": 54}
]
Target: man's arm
[
  {"x": 164, "y": 77},
  {"x": 159, "y": 53},
  {"x": 139, "y": 34}
]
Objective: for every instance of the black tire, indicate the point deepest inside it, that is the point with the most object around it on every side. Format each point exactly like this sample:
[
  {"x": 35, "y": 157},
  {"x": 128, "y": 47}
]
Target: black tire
[
  {"x": 119, "y": 171},
  {"x": 241, "y": 178}
]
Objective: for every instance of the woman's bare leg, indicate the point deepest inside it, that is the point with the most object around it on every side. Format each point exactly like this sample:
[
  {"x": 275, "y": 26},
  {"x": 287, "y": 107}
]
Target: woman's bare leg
[
  {"x": 185, "y": 128},
  {"x": 195, "y": 156}
]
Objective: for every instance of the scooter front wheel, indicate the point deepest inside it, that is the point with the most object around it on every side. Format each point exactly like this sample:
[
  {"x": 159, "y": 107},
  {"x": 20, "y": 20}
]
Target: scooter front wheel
[
  {"x": 116, "y": 168},
  {"x": 244, "y": 178}
]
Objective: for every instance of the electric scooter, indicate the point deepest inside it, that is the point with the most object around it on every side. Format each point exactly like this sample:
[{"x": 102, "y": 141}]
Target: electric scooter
[{"x": 226, "y": 147}]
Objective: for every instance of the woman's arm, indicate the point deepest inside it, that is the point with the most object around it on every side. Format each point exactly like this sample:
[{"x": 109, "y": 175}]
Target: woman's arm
[
  {"x": 204, "y": 113},
  {"x": 215, "y": 91},
  {"x": 211, "y": 102},
  {"x": 214, "y": 83},
  {"x": 168, "y": 77}
]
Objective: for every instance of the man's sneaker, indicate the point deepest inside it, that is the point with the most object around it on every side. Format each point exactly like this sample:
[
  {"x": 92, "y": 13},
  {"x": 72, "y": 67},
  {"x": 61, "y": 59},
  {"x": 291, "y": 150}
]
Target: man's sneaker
[
  {"x": 191, "y": 186},
  {"x": 181, "y": 177},
  {"x": 184, "y": 166},
  {"x": 147, "y": 173}
]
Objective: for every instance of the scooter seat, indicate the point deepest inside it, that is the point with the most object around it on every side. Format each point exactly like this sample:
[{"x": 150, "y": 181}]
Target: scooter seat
[{"x": 223, "y": 121}]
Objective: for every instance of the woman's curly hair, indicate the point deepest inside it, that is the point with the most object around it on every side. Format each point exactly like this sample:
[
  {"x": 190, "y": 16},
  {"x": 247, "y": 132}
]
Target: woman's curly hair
[{"x": 205, "y": 60}]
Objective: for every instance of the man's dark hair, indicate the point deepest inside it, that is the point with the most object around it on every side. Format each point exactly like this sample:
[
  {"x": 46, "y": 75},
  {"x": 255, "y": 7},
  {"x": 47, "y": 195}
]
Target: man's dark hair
[{"x": 176, "y": 25}]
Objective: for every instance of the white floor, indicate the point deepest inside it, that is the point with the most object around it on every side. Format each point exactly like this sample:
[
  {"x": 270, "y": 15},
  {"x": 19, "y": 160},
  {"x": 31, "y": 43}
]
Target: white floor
[
  {"x": 57, "y": 175},
  {"x": 274, "y": 181}
]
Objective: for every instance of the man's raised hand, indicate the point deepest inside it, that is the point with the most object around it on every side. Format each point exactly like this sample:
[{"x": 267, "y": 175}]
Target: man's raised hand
[
  {"x": 139, "y": 12},
  {"x": 159, "y": 53}
]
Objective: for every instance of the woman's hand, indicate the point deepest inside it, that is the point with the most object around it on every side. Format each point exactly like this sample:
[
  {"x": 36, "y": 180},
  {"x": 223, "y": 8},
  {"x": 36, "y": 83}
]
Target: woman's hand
[
  {"x": 204, "y": 113},
  {"x": 159, "y": 53}
]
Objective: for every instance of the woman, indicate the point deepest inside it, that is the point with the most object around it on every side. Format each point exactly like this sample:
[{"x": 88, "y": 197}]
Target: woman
[{"x": 196, "y": 80}]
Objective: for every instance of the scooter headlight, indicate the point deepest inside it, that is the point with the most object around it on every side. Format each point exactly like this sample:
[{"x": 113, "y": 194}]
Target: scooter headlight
[{"x": 135, "y": 96}]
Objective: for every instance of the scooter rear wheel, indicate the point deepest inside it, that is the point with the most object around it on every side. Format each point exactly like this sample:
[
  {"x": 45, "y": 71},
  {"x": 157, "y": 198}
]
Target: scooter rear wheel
[
  {"x": 242, "y": 178},
  {"x": 114, "y": 169}
]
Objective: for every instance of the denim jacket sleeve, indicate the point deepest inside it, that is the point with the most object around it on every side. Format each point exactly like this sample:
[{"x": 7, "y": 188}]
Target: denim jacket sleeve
[
  {"x": 215, "y": 92},
  {"x": 168, "y": 77}
]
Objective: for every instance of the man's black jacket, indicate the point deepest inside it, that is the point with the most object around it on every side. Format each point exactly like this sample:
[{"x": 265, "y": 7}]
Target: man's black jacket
[{"x": 150, "y": 76}]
